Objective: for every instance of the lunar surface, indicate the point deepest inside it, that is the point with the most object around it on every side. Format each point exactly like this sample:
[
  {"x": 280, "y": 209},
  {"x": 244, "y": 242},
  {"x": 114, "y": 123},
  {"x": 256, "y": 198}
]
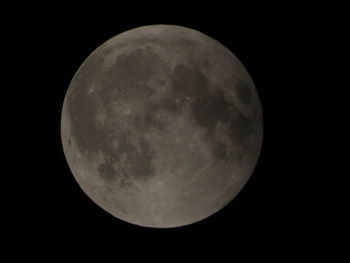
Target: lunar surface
[{"x": 162, "y": 126}]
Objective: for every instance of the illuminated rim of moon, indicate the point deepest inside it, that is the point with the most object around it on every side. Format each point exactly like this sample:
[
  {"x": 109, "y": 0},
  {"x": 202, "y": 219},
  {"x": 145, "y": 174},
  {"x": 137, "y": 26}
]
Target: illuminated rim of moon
[{"x": 161, "y": 126}]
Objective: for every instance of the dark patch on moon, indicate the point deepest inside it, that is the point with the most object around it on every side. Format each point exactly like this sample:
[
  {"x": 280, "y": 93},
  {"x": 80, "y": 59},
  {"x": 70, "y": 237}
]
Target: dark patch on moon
[
  {"x": 243, "y": 92},
  {"x": 188, "y": 81},
  {"x": 207, "y": 108},
  {"x": 150, "y": 120},
  {"x": 127, "y": 78},
  {"x": 106, "y": 171},
  {"x": 125, "y": 182},
  {"x": 241, "y": 127},
  {"x": 210, "y": 109},
  {"x": 238, "y": 154},
  {"x": 123, "y": 146},
  {"x": 171, "y": 103},
  {"x": 219, "y": 150}
]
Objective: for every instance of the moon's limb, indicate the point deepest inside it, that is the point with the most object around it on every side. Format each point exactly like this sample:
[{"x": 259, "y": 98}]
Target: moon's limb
[{"x": 161, "y": 126}]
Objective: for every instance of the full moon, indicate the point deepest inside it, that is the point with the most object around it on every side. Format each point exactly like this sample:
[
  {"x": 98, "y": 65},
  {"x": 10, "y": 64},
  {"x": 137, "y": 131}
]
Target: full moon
[{"x": 161, "y": 126}]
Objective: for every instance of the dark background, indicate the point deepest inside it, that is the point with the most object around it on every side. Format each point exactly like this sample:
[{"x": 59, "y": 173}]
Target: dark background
[{"x": 275, "y": 211}]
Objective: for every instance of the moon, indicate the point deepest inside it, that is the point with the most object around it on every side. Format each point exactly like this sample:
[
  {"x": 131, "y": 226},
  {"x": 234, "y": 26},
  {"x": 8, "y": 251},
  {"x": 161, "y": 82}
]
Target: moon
[{"x": 162, "y": 126}]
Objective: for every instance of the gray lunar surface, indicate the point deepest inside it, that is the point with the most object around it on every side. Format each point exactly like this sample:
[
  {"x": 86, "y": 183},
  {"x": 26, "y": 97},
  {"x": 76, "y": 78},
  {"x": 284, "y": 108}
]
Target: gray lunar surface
[{"x": 161, "y": 126}]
